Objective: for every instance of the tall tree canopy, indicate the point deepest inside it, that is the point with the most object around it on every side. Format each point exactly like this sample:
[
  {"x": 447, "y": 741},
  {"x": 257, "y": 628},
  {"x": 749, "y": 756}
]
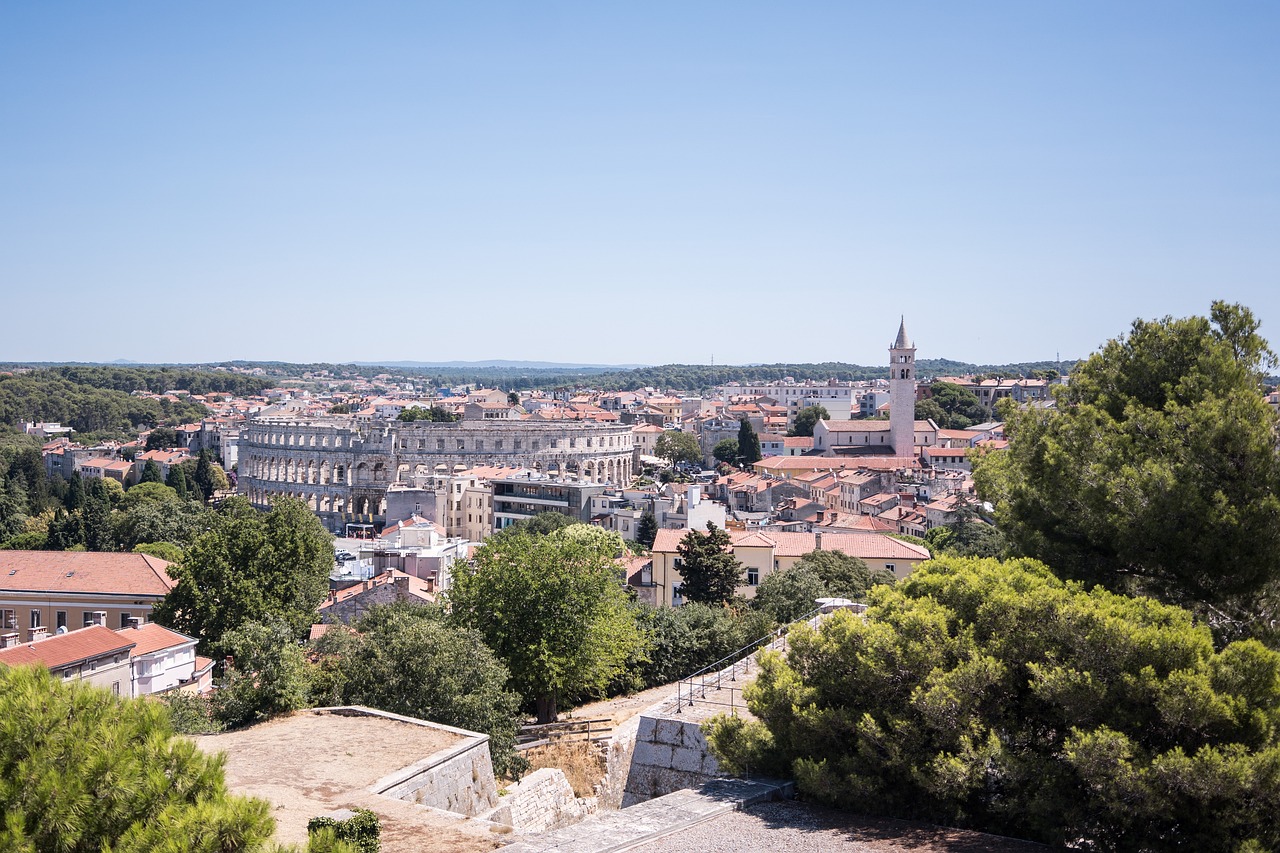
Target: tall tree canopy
[
  {"x": 1158, "y": 471},
  {"x": 748, "y": 443},
  {"x": 951, "y": 407},
  {"x": 996, "y": 696},
  {"x": 554, "y": 608},
  {"x": 806, "y": 418},
  {"x": 676, "y": 446},
  {"x": 710, "y": 572},
  {"x": 726, "y": 450},
  {"x": 248, "y": 567},
  {"x": 407, "y": 660}
]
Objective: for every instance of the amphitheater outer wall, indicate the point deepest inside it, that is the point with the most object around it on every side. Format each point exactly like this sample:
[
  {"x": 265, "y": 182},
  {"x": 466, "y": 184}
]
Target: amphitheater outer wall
[{"x": 342, "y": 468}]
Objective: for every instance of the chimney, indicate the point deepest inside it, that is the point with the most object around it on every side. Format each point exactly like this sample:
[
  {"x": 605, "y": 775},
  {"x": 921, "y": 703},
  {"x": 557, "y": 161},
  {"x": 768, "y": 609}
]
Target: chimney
[
  {"x": 36, "y": 634},
  {"x": 817, "y": 540},
  {"x": 135, "y": 621},
  {"x": 9, "y": 640}
]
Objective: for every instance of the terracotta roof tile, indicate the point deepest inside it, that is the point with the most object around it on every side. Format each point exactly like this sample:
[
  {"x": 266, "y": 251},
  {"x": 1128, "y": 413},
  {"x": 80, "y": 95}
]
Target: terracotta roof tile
[
  {"x": 64, "y": 649},
  {"x": 152, "y": 637},
  {"x": 84, "y": 571}
]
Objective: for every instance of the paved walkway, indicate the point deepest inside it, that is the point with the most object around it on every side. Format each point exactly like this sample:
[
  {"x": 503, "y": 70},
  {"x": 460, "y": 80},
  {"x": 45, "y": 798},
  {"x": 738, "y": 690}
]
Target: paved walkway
[{"x": 625, "y": 828}]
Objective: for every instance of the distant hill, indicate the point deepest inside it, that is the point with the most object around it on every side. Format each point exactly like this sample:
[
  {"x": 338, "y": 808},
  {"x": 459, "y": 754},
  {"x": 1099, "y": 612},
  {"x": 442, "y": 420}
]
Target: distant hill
[{"x": 499, "y": 363}]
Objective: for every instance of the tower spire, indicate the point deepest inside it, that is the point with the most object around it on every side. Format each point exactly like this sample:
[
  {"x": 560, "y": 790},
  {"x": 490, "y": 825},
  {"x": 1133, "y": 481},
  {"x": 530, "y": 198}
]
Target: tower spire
[{"x": 903, "y": 341}]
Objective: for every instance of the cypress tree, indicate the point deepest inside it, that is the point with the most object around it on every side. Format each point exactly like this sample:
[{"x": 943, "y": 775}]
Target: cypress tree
[
  {"x": 748, "y": 443},
  {"x": 177, "y": 480},
  {"x": 151, "y": 473}
]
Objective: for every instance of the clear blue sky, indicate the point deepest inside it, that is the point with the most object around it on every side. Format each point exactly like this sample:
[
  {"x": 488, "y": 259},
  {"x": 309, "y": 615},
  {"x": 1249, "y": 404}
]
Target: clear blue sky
[{"x": 630, "y": 182}]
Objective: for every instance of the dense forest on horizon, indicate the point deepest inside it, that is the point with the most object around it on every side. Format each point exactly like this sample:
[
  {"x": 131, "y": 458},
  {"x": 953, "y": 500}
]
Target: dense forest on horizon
[
  {"x": 99, "y": 401},
  {"x": 687, "y": 377}
]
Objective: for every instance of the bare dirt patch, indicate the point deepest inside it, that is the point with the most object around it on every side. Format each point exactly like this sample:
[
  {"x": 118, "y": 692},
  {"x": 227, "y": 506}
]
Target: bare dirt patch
[{"x": 310, "y": 763}]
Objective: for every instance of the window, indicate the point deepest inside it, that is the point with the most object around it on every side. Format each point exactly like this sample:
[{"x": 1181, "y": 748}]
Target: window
[
  {"x": 462, "y": 444},
  {"x": 891, "y": 568},
  {"x": 115, "y": 688},
  {"x": 536, "y": 444},
  {"x": 515, "y": 443},
  {"x": 439, "y": 444},
  {"x": 8, "y": 619},
  {"x": 497, "y": 444},
  {"x": 88, "y": 618},
  {"x": 61, "y": 618},
  {"x": 124, "y": 619},
  {"x": 479, "y": 444},
  {"x": 753, "y": 577},
  {"x": 35, "y": 618}
]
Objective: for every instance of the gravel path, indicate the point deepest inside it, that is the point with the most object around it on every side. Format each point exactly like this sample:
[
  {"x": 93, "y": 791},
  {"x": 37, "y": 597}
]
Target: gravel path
[{"x": 791, "y": 827}]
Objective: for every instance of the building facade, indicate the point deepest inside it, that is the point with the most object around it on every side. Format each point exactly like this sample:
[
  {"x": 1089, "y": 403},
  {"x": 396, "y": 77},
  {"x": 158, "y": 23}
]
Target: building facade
[{"x": 342, "y": 468}]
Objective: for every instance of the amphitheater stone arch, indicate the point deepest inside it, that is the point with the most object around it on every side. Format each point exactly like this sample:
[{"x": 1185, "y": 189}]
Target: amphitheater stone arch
[{"x": 342, "y": 467}]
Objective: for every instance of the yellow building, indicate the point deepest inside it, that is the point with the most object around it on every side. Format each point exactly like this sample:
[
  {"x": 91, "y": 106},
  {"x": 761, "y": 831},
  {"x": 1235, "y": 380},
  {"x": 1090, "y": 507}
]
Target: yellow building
[
  {"x": 48, "y": 590},
  {"x": 767, "y": 552}
]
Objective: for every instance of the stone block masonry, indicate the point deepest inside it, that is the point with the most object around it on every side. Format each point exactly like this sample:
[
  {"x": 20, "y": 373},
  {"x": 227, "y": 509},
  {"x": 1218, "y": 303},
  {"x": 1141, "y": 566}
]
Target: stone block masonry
[
  {"x": 541, "y": 801},
  {"x": 669, "y": 754}
]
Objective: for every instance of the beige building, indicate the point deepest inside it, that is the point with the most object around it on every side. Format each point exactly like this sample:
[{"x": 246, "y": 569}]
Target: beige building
[
  {"x": 764, "y": 553},
  {"x": 48, "y": 590}
]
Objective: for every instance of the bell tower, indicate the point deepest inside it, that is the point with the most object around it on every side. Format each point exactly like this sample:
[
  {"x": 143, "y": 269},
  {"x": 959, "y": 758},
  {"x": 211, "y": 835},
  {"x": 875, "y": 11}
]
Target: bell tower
[{"x": 902, "y": 393}]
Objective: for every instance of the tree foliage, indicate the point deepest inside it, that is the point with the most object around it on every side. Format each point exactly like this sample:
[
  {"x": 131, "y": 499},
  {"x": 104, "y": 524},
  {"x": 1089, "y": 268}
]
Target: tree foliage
[
  {"x": 87, "y": 401},
  {"x": 268, "y": 675},
  {"x": 710, "y": 572},
  {"x": 554, "y": 609},
  {"x": 647, "y": 529},
  {"x": 789, "y": 593},
  {"x": 250, "y": 567},
  {"x": 84, "y": 771},
  {"x": 844, "y": 575},
  {"x": 952, "y": 407},
  {"x": 407, "y": 660},
  {"x": 726, "y": 450},
  {"x": 996, "y": 696},
  {"x": 683, "y": 640},
  {"x": 161, "y": 438},
  {"x": 806, "y": 418},
  {"x": 676, "y": 446},
  {"x": 748, "y": 444},
  {"x": 1157, "y": 471},
  {"x": 435, "y": 414}
]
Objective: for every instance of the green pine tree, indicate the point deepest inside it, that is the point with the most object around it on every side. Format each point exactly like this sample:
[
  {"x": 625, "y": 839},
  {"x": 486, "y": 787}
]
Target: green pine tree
[{"x": 711, "y": 573}]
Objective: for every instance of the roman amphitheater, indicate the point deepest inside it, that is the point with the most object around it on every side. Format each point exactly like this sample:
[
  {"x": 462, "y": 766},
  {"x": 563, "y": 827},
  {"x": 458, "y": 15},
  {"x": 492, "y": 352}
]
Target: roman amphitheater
[{"x": 342, "y": 467}]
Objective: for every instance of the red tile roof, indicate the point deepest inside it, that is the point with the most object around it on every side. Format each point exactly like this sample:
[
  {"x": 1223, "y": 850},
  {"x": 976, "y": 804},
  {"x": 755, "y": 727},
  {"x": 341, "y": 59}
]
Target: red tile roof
[
  {"x": 84, "y": 571},
  {"x": 151, "y": 637},
  {"x": 865, "y": 545},
  {"x": 63, "y": 650}
]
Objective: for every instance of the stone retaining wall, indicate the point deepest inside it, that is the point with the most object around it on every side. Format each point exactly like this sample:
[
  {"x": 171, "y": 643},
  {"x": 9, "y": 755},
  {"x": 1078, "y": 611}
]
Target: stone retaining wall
[
  {"x": 669, "y": 754},
  {"x": 458, "y": 778},
  {"x": 541, "y": 801}
]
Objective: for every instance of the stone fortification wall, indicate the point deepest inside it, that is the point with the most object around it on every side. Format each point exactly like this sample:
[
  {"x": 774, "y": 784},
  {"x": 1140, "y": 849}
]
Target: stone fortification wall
[
  {"x": 342, "y": 467},
  {"x": 458, "y": 778}
]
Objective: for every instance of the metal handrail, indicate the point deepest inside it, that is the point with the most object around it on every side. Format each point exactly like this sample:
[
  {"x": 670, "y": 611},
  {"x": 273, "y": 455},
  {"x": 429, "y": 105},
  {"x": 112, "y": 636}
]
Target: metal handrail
[{"x": 730, "y": 663}]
